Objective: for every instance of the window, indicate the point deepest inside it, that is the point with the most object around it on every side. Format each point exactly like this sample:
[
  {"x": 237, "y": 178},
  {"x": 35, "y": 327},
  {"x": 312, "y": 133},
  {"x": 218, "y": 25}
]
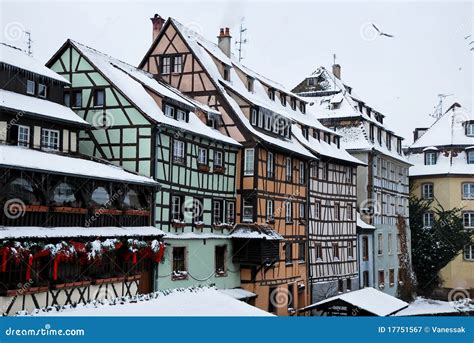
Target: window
[
  {"x": 324, "y": 171},
  {"x": 381, "y": 278},
  {"x": 77, "y": 99},
  {"x": 217, "y": 212},
  {"x": 470, "y": 157},
  {"x": 350, "y": 249},
  {"x": 177, "y": 64},
  {"x": 427, "y": 191},
  {"x": 399, "y": 145},
  {"x": 468, "y": 220},
  {"x": 303, "y": 107},
  {"x": 348, "y": 176},
  {"x": 249, "y": 161},
  {"x": 379, "y": 244},
  {"x": 340, "y": 286},
  {"x": 202, "y": 156},
  {"x": 337, "y": 211},
  {"x": 198, "y": 210},
  {"x": 470, "y": 129},
  {"x": 391, "y": 277},
  {"x": 250, "y": 84},
  {"x": 365, "y": 278},
  {"x": 166, "y": 65},
  {"x": 230, "y": 212},
  {"x": 100, "y": 196},
  {"x": 428, "y": 219},
  {"x": 23, "y": 135},
  {"x": 99, "y": 98},
  {"x": 289, "y": 169},
  {"x": 220, "y": 255},
  {"x": 270, "y": 210},
  {"x": 176, "y": 202},
  {"x": 283, "y": 99},
  {"x": 179, "y": 259},
  {"x": 293, "y": 104},
  {"x": 218, "y": 158},
  {"x": 288, "y": 212},
  {"x": 335, "y": 251},
  {"x": 181, "y": 115},
  {"x": 317, "y": 209},
  {"x": 288, "y": 252},
  {"x": 390, "y": 243},
  {"x": 430, "y": 158},
  {"x": 371, "y": 132},
  {"x": 291, "y": 291},
  {"x": 302, "y": 173},
  {"x": 178, "y": 151},
  {"x": 63, "y": 194},
  {"x": 50, "y": 139},
  {"x": 302, "y": 211},
  {"x": 270, "y": 165},
  {"x": 305, "y": 131},
  {"x": 469, "y": 252},
  {"x": 67, "y": 99},
  {"x": 318, "y": 250},
  {"x": 254, "y": 116},
  {"x": 30, "y": 87},
  {"x": 42, "y": 90},
  {"x": 389, "y": 141},
  {"x": 226, "y": 73},
  {"x": 348, "y": 284},
  {"x": 301, "y": 251},
  {"x": 271, "y": 94},
  {"x": 169, "y": 111},
  {"x": 247, "y": 211},
  {"x": 379, "y": 136},
  {"x": 268, "y": 122},
  {"x": 349, "y": 212},
  {"x": 365, "y": 248},
  {"x": 468, "y": 191}
]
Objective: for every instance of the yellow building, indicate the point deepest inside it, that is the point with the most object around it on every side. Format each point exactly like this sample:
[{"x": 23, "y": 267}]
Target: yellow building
[{"x": 443, "y": 170}]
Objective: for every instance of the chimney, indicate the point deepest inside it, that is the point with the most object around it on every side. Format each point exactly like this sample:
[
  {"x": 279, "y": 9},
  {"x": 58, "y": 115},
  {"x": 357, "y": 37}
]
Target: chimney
[
  {"x": 157, "y": 22},
  {"x": 418, "y": 133},
  {"x": 224, "y": 41},
  {"x": 336, "y": 70}
]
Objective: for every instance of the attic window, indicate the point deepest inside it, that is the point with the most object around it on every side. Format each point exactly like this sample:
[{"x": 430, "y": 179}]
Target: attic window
[
  {"x": 283, "y": 99},
  {"x": 304, "y": 131},
  {"x": 213, "y": 120},
  {"x": 293, "y": 104},
  {"x": 250, "y": 84},
  {"x": 470, "y": 129},
  {"x": 271, "y": 93},
  {"x": 470, "y": 157},
  {"x": 226, "y": 73},
  {"x": 302, "y": 107},
  {"x": 430, "y": 158},
  {"x": 311, "y": 81}
]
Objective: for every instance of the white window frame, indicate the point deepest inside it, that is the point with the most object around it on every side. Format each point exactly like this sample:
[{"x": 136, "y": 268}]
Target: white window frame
[
  {"x": 428, "y": 219},
  {"x": 175, "y": 65},
  {"x": 249, "y": 159},
  {"x": 470, "y": 156},
  {"x": 270, "y": 210},
  {"x": 180, "y": 115},
  {"x": 425, "y": 192},
  {"x": 288, "y": 212},
  {"x": 317, "y": 209},
  {"x": 379, "y": 244},
  {"x": 470, "y": 129},
  {"x": 175, "y": 207},
  {"x": 390, "y": 241},
  {"x": 218, "y": 158},
  {"x": 202, "y": 155},
  {"x": 289, "y": 169},
  {"x": 431, "y": 158},
  {"x": 468, "y": 253},
  {"x": 468, "y": 191},
  {"x": 254, "y": 115},
  {"x": 302, "y": 210},
  {"x": 268, "y": 122},
  {"x": 169, "y": 111},
  {"x": 245, "y": 218},
  {"x": 302, "y": 173},
  {"x": 270, "y": 165},
  {"x": 30, "y": 84},
  {"x": 470, "y": 219},
  {"x": 169, "y": 65},
  {"x": 260, "y": 120},
  {"x": 20, "y": 141},
  {"x": 48, "y": 141},
  {"x": 230, "y": 212},
  {"x": 217, "y": 212},
  {"x": 179, "y": 151}
]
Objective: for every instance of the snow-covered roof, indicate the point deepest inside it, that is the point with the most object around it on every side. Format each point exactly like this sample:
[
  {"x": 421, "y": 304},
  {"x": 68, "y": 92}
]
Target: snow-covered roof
[
  {"x": 206, "y": 52},
  {"x": 38, "y": 107},
  {"x": 20, "y": 232},
  {"x": 368, "y": 299},
  {"x": 195, "y": 235},
  {"x": 253, "y": 232},
  {"x": 422, "y": 306},
  {"x": 448, "y": 130},
  {"x": 238, "y": 293},
  {"x": 448, "y": 163},
  {"x": 197, "y": 302},
  {"x": 134, "y": 83},
  {"x": 15, "y": 57},
  {"x": 321, "y": 147},
  {"x": 362, "y": 224},
  {"x": 30, "y": 159}
]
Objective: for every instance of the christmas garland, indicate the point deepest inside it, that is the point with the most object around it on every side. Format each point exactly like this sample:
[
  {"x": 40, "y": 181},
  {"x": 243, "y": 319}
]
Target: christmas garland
[{"x": 67, "y": 252}]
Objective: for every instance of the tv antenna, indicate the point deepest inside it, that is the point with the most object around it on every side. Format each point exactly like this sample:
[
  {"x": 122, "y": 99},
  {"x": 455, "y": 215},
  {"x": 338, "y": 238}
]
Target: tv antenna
[
  {"x": 438, "y": 112},
  {"x": 242, "y": 40},
  {"x": 28, "y": 43}
]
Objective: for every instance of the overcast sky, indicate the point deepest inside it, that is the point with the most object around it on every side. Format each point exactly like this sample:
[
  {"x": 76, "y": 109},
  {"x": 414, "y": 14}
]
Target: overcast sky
[{"x": 287, "y": 40}]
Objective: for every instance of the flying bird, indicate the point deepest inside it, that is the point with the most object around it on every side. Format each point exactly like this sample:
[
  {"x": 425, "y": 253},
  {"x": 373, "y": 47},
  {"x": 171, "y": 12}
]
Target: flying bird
[{"x": 380, "y": 32}]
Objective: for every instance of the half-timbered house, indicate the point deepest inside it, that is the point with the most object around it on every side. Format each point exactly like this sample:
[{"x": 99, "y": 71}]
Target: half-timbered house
[
  {"x": 274, "y": 171},
  {"x": 382, "y": 188},
  {"x": 148, "y": 127},
  {"x": 72, "y": 228}
]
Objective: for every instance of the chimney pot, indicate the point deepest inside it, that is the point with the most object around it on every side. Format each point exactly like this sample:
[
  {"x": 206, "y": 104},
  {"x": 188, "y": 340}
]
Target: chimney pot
[
  {"x": 336, "y": 70},
  {"x": 157, "y": 22},
  {"x": 227, "y": 33},
  {"x": 221, "y": 32},
  {"x": 224, "y": 41}
]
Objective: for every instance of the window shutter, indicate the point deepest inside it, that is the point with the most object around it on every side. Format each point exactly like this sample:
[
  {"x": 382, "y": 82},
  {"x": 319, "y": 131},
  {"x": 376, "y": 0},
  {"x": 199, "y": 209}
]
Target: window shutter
[{"x": 13, "y": 138}]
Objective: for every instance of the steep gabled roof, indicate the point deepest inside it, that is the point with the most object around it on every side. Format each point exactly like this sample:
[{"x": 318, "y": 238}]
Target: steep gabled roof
[
  {"x": 135, "y": 85},
  {"x": 14, "y": 57}
]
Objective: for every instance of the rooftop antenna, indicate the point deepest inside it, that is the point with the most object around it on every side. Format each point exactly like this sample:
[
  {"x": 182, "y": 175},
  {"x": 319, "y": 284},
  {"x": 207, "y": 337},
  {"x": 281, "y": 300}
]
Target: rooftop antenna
[
  {"x": 28, "y": 42},
  {"x": 438, "y": 112},
  {"x": 242, "y": 40}
]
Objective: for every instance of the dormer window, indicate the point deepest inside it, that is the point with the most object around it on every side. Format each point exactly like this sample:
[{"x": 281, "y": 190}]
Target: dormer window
[
  {"x": 250, "y": 84},
  {"x": 316, "y": 134},
  {"x": 283, "y": 99},
  {"x": 470, "y": 129},
  {"x": 213, "y": 120},
  {"x": 50, "y": 139},
  {"x": 226, "y": 73},
  {"x": 30, "y": 87},
  {"x": 302, "y": 107},
  {"x": 169, "y": 111},
  {"x": 293, "y": 104},
  {"x": 470, "y": 157},
  {"x": 372, "y": 132},
  {"x": 430, "y": 158},
  {"x": 304, "y": 131},
  {"x": 389, "y": 141},
  {"x": 254, "y": 117},
  {"x": 399, "y": 146},
  {"x": 311, "y": 81},
  {"x": 268, "y": 121},
  {"x": 181, "y": 115},
  {"x": 271, "y": 93},
  {"x": 379, "y": 136},
  {"x": 42, "y": 90}
]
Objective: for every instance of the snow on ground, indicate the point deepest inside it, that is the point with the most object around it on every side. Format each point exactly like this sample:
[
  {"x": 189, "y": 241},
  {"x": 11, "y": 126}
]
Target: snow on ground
[
  {"x": 422, "y": 306},
  {"x": 208, "y": 302}
]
